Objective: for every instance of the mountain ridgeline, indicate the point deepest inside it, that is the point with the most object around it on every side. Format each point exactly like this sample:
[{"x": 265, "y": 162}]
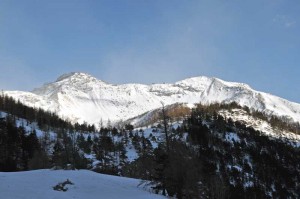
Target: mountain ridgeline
[
  {"x": 79, "y": 97},
  {"x": 245, "y": 146}
]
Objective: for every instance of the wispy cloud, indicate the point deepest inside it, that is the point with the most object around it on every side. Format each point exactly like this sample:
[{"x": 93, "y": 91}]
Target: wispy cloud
[
  {"x": 290, "y": 24},
  {"x": 284, "y": 20}
]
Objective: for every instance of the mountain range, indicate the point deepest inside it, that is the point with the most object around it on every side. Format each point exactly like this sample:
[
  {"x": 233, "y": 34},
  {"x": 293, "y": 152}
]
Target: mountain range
[
  {"x": 80, "y": 97},
  {"x": 225, "y": 150}
]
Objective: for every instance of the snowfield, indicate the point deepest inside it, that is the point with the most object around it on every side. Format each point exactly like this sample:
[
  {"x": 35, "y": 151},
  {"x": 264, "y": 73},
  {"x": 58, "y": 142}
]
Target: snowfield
[
  {"x": 80, "y": 97},
  {"x": 39, "y": 184}
]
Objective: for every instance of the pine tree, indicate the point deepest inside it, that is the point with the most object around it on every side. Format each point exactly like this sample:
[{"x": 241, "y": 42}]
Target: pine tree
[{"x": 59, "y": 156}]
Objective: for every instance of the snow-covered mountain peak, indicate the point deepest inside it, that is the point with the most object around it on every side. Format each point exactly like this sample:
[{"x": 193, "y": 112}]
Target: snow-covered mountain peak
[
  {"x": 66, "y": 83},
  {"x": 201, "y": 82},
  {"x": 65, "y": 76},
  {"x": 81, "y": 97},
  {"x": 77, "y": 76},
  {"x": 195, "y": 80}
]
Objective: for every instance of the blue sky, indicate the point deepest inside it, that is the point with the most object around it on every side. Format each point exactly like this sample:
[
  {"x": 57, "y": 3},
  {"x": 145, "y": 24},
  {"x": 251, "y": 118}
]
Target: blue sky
[{"x": 144, "y": 41}]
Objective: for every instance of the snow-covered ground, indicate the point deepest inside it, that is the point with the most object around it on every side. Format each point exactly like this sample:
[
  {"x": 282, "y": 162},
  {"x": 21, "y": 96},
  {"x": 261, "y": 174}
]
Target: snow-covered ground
[
  {"x": 86, "y": 185},
  {"x": 80, "y": 97}
]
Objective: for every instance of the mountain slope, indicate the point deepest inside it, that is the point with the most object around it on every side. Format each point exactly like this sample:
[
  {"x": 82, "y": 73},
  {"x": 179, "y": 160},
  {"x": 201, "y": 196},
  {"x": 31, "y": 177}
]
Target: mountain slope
[
  {"x": 226, "y": 148},
  {"x": 80, "y": 97}
]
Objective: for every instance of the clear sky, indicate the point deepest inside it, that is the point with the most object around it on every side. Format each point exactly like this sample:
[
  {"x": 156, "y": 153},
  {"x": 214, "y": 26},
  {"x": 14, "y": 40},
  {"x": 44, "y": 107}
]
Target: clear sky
[{"x": 144, "y": 41}]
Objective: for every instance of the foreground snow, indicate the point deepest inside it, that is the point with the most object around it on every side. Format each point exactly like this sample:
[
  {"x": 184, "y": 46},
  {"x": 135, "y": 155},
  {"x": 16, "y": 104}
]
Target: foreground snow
[{"x": 87, "y": 185}]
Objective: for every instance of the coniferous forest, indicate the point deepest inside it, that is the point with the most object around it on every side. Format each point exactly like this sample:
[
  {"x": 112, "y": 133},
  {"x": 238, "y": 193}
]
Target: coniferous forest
[{"x": 206, "y": 156}]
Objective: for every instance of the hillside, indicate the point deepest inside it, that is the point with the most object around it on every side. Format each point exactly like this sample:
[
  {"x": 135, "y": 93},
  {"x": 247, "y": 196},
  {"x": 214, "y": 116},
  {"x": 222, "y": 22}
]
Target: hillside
[
  {"x": 79, "y": 97},
  {"x": 218, "y": 151}
]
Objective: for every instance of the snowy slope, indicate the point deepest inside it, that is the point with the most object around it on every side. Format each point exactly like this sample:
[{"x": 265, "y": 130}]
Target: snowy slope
[
  {"x": 80, "y": 97},
  {"x": 262, "y": 126},
  {"x": 87, "y": 185}
]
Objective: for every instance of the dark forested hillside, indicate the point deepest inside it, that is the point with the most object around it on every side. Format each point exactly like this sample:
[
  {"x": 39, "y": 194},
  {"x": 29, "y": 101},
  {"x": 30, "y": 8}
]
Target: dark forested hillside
[
  {"x": 247, "y": 163},
  {"x": 221, "y": 159},
  {"x": 16, "y": 147}
]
